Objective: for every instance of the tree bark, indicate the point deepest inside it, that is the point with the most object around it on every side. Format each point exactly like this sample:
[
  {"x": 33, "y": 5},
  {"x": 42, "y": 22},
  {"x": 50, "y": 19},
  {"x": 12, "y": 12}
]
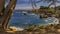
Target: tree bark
[
  {"x": 4, "y": 20},
  {"x": 2, "y": 4}
]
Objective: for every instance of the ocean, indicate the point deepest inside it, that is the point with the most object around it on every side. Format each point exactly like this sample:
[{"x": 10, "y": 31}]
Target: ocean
[{"x": 19, "y": 19}]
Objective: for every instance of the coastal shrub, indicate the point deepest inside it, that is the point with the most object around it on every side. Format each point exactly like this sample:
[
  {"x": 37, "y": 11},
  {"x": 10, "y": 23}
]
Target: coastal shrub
[
  {"x": 42, "y": 27},
  {"x": 30, "y": 28}
]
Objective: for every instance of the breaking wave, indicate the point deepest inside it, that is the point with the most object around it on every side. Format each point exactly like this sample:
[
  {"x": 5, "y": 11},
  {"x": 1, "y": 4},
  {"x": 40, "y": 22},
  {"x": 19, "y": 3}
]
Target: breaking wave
[
  {"x": 52, "y": 20},
  {"x": 17, "y": 28}
]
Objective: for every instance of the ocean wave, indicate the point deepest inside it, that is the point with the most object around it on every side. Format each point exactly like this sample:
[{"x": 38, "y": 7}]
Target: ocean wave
[
  {"x": 32, "y": 14},
  {"x": 16, "y": 28},
  {"x": 52, "y": 20}
]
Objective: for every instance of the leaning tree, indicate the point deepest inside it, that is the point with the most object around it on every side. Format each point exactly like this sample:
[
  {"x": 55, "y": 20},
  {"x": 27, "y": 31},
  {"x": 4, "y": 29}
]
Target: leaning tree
[{"x": 6, "y": 13}]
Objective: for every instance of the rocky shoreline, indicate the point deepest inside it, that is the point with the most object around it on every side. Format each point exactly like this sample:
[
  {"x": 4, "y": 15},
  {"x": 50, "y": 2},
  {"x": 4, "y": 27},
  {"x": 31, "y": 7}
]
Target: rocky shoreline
[{"x": 51, "y": 29}]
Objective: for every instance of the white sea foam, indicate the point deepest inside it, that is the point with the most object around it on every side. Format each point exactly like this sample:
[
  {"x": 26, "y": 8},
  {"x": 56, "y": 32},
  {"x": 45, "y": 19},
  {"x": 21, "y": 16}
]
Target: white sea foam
[
  {"x": 24, "y": 12},
  {"x": 17, "y": 28},
  {"x": 32, "y": 14},
  {"x": 46, "y": 20},
  {"x": 55, "y": 21}
]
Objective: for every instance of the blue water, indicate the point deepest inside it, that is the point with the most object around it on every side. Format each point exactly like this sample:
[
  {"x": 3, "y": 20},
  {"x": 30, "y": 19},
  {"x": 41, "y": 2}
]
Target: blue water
[{"x": 20, "y": 20}]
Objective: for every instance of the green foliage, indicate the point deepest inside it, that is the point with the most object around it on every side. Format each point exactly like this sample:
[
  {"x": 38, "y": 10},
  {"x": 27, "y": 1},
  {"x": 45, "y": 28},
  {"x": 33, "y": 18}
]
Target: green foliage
[
  {"x": 44, "y": 7},
  {"x": 30, "y": 28}
]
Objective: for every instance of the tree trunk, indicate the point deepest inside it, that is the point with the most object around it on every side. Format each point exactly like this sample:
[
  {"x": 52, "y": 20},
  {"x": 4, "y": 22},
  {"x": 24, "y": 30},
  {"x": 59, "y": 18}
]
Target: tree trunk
[
  {"x": 2, "y": 4},
  {"x": 4, "y": 20}
]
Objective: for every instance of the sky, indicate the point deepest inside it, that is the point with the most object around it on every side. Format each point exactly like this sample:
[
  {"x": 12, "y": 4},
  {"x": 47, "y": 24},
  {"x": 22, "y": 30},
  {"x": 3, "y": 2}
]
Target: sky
[{"x": 26, "y": 4}]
